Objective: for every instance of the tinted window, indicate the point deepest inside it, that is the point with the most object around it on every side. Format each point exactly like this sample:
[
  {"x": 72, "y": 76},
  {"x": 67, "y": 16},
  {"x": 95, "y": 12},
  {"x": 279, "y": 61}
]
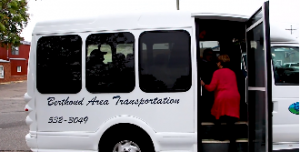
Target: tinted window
[
  {"x": 110, "y": 63},
  {"x": 256, "y": 70},
  {"x": 165, "y": 62},
  {"x": 59, "y": 64}
]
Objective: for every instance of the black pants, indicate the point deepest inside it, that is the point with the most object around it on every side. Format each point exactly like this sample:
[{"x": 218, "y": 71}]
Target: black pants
[{"x": 228, "y": 131}]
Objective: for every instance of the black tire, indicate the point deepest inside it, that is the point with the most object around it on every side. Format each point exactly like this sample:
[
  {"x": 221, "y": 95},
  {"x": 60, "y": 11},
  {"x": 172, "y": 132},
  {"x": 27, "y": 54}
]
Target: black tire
[{"x": 112, "y": 138}]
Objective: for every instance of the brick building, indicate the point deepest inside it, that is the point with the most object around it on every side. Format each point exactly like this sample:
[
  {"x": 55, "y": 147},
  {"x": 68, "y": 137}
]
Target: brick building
[{"x": 14, "y": 62}]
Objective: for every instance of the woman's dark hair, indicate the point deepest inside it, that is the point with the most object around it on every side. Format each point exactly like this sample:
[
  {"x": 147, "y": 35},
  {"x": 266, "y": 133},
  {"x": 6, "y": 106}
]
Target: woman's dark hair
[
  {"x": 210, "y": 52},
  {"x": 206, "y": 51},
  {"x": 224, "y": 60}
]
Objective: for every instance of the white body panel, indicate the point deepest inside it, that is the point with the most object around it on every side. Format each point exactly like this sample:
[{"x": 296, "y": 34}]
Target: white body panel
[{"x": 285, "y": 124}]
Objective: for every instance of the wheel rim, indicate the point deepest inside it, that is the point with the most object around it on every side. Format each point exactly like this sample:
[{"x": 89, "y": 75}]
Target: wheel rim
[{"x": 126, "y": 146}]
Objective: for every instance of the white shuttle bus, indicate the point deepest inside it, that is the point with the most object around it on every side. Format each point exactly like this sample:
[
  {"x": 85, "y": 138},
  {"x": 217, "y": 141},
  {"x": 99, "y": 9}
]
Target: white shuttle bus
[{"x": 130, "y": 83}]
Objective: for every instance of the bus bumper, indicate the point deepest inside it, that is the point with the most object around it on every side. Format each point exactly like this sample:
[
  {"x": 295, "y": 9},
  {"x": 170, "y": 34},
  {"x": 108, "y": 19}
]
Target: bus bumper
[
  {"x": 30, "y": 141},
  {"x": 286, "y": 147}
]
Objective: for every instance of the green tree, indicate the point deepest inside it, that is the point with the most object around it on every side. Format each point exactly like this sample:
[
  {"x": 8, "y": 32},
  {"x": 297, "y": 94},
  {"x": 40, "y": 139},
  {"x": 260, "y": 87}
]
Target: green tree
[{"x": 13, "y": 19}]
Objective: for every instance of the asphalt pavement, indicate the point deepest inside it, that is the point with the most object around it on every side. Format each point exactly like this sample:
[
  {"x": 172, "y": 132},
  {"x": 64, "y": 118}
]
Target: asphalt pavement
[{"x": 12, "y": 117}]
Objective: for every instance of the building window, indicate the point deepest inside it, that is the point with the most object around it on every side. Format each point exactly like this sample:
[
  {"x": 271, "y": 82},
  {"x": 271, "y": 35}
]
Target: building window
[
  {"x": 15, "y": 50},
  {"x": 165, "y": 61},
  {"x": 1, "y": 71},
  {"x": 19, "y": 69},
  {"x": 59, "y": 64},
  {"x": 110, "y": 63}
]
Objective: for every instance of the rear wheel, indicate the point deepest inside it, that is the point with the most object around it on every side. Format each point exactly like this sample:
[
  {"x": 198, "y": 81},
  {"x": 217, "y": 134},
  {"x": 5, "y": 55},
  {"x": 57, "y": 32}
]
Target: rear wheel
[
  {"x": 126, "y": 146},
  {"x": 127, "y": 141}
]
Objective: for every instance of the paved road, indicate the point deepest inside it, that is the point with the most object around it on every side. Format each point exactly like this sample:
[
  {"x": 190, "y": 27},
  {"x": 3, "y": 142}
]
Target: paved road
[{"x": 12, "y": 117}]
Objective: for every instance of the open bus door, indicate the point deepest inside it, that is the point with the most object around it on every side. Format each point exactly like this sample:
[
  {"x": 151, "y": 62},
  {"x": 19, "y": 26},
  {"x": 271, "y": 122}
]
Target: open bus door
[{"x": 259, "y": 94}]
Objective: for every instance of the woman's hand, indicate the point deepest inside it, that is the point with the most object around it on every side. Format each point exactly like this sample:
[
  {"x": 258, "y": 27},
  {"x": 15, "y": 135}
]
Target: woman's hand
[{"x": 202, "y": 83}]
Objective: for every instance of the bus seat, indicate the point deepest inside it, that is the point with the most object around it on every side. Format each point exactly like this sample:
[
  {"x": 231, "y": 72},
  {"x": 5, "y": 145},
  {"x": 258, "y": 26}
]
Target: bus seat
[
  {"x": 129, "y": 60},
  {"x": 159, "y": 67}
]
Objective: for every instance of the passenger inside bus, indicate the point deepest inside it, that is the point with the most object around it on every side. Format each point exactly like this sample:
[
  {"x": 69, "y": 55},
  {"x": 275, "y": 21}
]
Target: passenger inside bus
[
  {"x": 129, "y": 60},
  {"x": 116, "y": 73},
  {"x": 119, "y": 62},
  {"x": 209, "y": 66},
  {"x": 120, "y": 72},
  {"x": 95, "y": 68}
]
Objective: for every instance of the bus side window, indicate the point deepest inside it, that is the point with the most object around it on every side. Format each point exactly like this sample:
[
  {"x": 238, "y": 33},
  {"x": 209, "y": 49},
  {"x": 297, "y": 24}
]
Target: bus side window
[
  {"x": 59, "y": 64},
  {"x": 168, "y": 64},
  {"x": 286, "y": 64},
  {"x": 112, "y": 74}
]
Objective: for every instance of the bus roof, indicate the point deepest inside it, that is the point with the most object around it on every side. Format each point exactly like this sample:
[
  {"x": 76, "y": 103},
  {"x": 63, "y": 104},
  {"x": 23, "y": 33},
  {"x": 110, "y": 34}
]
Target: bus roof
[
  {"x": 128, "y": 20},
  {"x": 107, "y": 22},
  {"x": 279, "y": 35},
  {"x": 143, "y": 20}
]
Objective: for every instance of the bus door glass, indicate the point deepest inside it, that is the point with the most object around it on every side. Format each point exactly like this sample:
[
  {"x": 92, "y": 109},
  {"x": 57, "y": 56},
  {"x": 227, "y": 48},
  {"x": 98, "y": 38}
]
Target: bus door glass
[{"x": 259, "y": 81}]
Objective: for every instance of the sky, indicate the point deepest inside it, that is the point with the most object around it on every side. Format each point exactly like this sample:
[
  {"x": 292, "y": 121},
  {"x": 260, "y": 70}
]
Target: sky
[{"x": 283, "y": 13}]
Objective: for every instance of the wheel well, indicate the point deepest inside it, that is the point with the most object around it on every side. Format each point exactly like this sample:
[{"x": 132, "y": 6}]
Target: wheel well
[{"x": 119, "y": 128}]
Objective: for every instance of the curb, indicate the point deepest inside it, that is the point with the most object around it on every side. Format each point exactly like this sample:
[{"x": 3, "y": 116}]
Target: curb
[{"x": 4, "y": 83}]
